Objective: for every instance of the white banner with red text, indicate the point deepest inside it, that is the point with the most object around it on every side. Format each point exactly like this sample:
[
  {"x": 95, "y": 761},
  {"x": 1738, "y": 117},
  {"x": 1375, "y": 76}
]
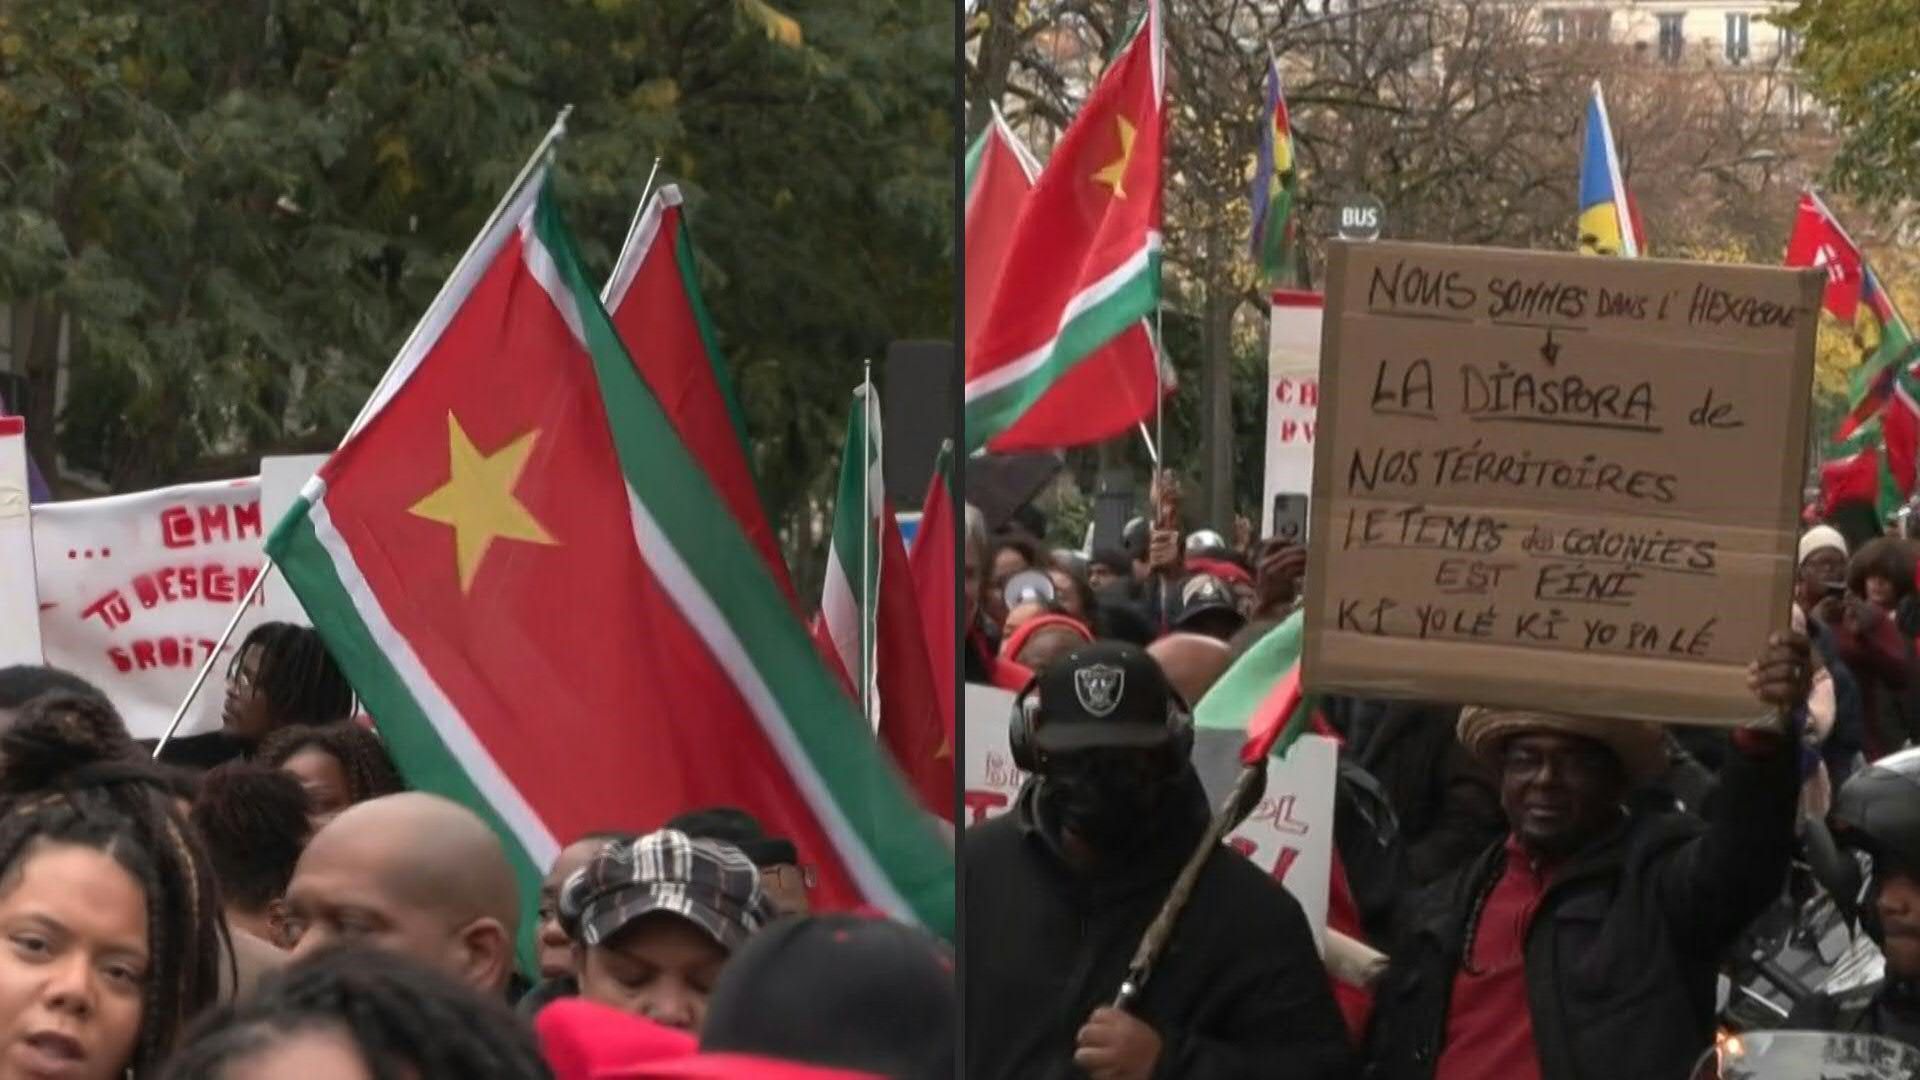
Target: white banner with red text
[{"x": 1293, "y": 397}]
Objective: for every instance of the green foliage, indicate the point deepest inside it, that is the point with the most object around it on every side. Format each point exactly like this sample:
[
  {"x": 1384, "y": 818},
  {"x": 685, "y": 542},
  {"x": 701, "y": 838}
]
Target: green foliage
[
  {"x": 1859, "y": 58},
  {"x": 244, "y": 207}
]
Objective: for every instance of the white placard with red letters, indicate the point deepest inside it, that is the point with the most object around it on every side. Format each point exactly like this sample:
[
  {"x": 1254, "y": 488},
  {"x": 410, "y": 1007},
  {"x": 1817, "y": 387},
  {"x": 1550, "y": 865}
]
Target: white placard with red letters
[
  {"x": 1293, "y": 397},
  {"x": 135, "y": 589}
]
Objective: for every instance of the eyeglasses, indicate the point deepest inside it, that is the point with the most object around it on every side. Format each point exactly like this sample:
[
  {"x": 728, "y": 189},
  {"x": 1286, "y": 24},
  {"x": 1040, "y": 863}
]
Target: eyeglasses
[
  {"x": 780, "y": 872},
  {"x": 1584, "y": 762}
]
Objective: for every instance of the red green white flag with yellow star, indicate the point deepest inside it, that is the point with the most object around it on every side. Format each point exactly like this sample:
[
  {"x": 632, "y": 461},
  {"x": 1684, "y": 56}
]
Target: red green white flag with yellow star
[
  {"x": 555, "y": 619},
  {"x": 1083, "y": 265}
]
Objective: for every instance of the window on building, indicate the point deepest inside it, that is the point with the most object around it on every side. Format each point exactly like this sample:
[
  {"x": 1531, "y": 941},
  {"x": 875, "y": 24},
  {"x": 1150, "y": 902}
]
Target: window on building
[
  {"x": 1673, "y": 42},
  {"x": 1591, "y": 25},
  {"x": 1553, "y": 24},
  {"x": 1738, "y": 44},
  {"x": 1789, "y": 44}
]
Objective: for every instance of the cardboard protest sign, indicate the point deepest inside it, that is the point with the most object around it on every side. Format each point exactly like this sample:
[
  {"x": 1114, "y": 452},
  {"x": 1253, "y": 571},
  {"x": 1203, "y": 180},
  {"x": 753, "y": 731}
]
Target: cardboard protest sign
[
  {"x": 1556, "y": 482},
  {"x": 1289, "y": 835},
  {"x": 19, "y": 600},
  {"x": 135, "y": 590},
  {"x": 1293, "y": 397}
]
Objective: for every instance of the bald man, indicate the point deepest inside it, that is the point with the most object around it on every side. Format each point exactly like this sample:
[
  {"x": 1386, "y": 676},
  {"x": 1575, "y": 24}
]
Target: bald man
[
  {"x": 1193, "y": 662},
  {"x": 414, "y": 874}
]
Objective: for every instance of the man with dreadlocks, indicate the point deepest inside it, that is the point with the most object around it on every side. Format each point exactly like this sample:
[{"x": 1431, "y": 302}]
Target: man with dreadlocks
[
  {"x": 351, "y": 1011},
  {"x": 282, "y": 674},
  {"x": 338, "y": 765},
  {"x": 107, "y": 902}
]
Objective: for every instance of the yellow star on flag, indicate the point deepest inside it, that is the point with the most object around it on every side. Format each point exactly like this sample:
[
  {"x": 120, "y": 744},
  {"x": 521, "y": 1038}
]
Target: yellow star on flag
[
  {"x": 1115, "y": 172},
  {"x": 478, "y": 500}
]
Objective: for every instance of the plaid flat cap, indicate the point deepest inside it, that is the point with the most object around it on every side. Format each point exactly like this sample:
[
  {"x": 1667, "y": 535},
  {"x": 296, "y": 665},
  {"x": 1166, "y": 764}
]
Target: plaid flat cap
[{"x": 710, "y": 884}]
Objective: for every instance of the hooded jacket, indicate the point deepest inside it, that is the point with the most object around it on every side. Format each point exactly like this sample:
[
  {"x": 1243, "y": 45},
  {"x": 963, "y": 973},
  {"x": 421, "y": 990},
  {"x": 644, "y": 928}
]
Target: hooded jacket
[
  {"x": 1621, "y": 952},
  {"x": 1239, "y": 992}
]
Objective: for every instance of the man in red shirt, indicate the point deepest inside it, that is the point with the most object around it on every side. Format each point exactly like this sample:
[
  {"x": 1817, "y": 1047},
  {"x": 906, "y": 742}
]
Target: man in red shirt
[{"x": 1584, "y": 944}]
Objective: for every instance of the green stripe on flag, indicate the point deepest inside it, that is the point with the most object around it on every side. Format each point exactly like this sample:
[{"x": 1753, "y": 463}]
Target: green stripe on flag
[
  {"x": 994, "y": 411},
  {"x": 417, "y": 750},
  {"x": 688, "y": 265},
  {"x": 871, "y": 809},
  {"x": 1248, "y": 682},
  {"x": 974, "y": 153}
]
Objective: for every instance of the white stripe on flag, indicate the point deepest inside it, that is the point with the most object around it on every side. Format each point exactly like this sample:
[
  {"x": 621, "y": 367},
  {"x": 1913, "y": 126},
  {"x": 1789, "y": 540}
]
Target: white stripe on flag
[
  {"x": 1115, "y": 280},
  {"x": 485, "y": 773}
]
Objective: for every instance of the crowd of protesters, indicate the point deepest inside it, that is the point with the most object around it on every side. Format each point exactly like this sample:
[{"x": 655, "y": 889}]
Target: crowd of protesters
[
  {"x": 271, "y": 901},
  {"x": 1555, "y": 894}
]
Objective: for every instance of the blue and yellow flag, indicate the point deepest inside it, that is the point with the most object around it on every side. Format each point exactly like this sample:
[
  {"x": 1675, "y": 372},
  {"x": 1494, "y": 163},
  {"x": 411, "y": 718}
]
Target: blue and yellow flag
[
  {"x": 1608, "y": 223},
  {"x": 1273, "y": 185}
]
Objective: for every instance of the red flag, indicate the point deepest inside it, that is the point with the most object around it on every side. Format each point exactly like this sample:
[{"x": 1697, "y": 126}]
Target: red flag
[
  {"x": 935, "y": 566},
  {"x": 653, "y": 296},
  {"x": 912, "y": 721},
  {"x": 1854, "y": 479},
  {"x": 1818, "y": 240},
  {"x": 1083, "y": 265},
  {"x": 528, "y": 577},
  {"x": 1103, "y": 395},
  {"x": 1271, "y": 719}
]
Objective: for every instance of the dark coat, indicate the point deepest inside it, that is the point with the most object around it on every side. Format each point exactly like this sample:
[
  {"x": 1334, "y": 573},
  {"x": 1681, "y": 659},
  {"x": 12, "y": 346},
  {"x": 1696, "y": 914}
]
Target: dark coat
[
  {"x": 1446, "y": 805},
  {"x": 1622, "y": 951},
  {"x": 1240, "y": 991}
]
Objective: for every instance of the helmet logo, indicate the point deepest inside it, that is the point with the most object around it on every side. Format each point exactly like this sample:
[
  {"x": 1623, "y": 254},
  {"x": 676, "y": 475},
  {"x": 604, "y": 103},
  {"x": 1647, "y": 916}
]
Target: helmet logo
[{"x": 1099, "y": 687}]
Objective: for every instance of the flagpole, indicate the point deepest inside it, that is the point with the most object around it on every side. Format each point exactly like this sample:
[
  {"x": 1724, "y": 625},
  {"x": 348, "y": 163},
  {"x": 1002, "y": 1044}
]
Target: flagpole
[
  {"x": 866, "y": 541},
  {"x": 640, "y": 208},
  {"x": 554, "y": 135},
  {"x": 534, "y": 160}
]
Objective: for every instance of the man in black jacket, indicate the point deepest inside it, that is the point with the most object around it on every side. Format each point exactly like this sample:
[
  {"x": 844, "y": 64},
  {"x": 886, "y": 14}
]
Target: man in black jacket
[
  {"x": 1059, "y": 890},
  {"x": 1584, "y": 944},
  {"x": 1877, "y": 813}
]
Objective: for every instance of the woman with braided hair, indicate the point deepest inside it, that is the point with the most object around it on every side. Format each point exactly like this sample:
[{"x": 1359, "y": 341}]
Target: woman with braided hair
[
  {"x": 110, "y": 928},
  {"x": 352, "y": 1011},
  {"x": 338, "y": 764}
]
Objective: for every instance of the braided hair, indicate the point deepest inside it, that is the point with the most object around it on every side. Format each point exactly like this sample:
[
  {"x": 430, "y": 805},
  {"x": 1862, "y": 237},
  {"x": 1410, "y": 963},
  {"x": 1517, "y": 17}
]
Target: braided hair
[
  {"x": 407, "y": 1022},
  {"x": 362, "y": 756},
  {"x": 253, "y": 820},
  {"x": 296, "y": 675},
  {"x": 70, "y": 774}
]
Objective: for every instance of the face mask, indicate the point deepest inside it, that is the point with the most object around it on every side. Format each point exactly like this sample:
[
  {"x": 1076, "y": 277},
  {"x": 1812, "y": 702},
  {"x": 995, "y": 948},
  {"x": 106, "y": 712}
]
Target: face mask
[{"x": 1109, "y": 802}]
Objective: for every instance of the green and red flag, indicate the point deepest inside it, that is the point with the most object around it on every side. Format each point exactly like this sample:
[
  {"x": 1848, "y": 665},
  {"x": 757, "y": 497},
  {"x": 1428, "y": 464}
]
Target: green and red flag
[
  {"x": 1260, "y": 694},
  {"x": 1887, "y": 354},
  {"x": 1855, "y": 296},
  {"x": 850, "y": 592},
  {"x": 935, "y": 563},
  {"x": 553, "y": 616},
  {"x": 999, "y": 175},
  {"x": 869, "y": 612},
  {"x": 1106, "y": 393},
  {"x": 653, "y": 297},
  {"x": 1082, "y": 264}
]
